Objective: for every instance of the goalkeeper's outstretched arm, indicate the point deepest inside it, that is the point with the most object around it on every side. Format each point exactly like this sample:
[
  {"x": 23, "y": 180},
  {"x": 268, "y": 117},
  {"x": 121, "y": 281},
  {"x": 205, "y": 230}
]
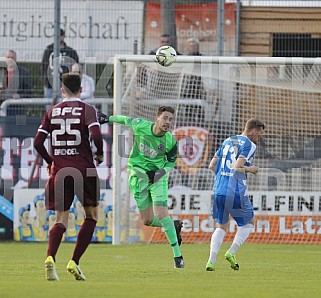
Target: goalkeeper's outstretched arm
[
  {"x": 102, "y": 118},
  {"x": 120, "y": 119}
]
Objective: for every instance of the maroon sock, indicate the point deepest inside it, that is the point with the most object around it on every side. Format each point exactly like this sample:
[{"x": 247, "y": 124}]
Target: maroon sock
[
  {"x": 84, "y": 237},
  {"x": 55, "y": 236}
]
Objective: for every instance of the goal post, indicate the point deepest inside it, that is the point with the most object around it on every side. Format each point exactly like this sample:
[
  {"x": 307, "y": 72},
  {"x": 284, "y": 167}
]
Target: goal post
[
  {"x": 115, "y": 158},
  {"x": 213, "y": 97}
]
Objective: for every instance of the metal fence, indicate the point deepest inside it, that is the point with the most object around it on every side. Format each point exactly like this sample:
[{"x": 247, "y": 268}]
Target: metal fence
[
  {"x": 38, "y": 106},
  {"x": 97, "y": 30}
]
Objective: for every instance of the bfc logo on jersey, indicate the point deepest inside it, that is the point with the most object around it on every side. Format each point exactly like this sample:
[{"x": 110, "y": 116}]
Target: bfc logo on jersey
[{"x": 75, "y": 111}]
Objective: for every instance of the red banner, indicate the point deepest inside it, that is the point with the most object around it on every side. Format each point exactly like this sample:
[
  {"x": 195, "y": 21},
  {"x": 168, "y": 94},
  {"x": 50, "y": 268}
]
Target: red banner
[
  {"x": 267, "y": 229},
  {"x": 192, "y": 20}
]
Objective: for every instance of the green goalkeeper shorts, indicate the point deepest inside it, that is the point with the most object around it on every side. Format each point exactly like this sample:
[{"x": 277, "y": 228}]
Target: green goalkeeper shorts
[{"x": 147, "y": 194}]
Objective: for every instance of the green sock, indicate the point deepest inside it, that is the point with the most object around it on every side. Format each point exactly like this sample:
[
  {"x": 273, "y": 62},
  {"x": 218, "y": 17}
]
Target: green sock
[
  {"x": 169, "y": 228},
  {"x": 155, "y": 222}
]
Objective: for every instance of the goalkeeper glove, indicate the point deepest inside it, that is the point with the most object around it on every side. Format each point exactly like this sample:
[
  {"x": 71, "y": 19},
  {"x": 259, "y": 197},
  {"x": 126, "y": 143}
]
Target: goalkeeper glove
[
  {"x": 154, "y": 176},
  {"x": 102, "y": 118},
  {"x": 99, "y": 159}
]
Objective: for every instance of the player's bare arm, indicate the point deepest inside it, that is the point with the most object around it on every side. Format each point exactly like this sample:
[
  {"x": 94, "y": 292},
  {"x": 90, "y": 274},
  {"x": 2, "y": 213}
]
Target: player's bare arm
[
  {"x": 213, "y": 163},
  {"x": 239, "y": 166}
]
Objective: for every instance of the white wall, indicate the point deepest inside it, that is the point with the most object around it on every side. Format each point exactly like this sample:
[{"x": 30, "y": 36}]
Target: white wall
[{"x": 98, "y": 29}]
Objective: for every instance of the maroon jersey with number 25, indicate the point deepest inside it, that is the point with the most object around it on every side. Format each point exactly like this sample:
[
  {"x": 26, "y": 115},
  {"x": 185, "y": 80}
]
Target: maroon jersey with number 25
[{"x": 68, "y": 124}]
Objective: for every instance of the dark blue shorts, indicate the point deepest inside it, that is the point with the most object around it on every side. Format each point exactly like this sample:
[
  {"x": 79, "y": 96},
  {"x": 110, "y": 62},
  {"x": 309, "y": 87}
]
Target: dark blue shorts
[{"x": 240, "y": 209}]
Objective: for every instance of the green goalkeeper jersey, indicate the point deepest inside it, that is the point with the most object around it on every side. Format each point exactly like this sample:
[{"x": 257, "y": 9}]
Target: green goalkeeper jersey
[{"x": 149, "y": 152}]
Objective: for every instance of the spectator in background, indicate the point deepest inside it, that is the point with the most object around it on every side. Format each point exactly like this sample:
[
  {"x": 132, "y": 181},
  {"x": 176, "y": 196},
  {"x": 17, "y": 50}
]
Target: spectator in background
[
  {"x": 192, "y": 85},
  {"x": 87, "y": 82},
  {"x": 165, "y": 40},
  {"x": 17, "y": 83},
  {"x": 68, "y": 56},
  {"x": 193, "y": 47}
]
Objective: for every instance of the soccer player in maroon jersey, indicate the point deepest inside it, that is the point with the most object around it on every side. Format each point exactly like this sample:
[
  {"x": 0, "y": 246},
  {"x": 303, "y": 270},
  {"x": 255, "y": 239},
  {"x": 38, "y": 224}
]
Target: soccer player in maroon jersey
[{"x": 70, "y": 125}]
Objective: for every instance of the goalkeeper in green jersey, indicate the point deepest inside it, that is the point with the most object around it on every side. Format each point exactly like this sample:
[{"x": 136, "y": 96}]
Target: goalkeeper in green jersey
[{"x": 153, "y": 155}]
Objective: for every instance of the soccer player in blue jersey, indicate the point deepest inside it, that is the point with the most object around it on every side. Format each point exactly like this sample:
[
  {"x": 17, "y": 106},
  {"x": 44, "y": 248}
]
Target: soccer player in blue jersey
[{"x": 231, "y": 164}]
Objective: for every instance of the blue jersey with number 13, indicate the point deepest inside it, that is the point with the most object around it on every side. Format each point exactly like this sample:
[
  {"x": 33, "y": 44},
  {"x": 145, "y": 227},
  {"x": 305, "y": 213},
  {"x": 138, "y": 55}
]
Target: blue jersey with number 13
[{"x": 228, "y": 182}]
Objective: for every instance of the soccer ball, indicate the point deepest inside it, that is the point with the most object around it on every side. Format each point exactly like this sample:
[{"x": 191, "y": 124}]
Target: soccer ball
[{"x": 166, "y": 55}]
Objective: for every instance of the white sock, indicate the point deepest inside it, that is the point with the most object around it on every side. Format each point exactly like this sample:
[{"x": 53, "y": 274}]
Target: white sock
[
  {"x": 216, "y": 241},
  {"x": 241, "y": 235}
]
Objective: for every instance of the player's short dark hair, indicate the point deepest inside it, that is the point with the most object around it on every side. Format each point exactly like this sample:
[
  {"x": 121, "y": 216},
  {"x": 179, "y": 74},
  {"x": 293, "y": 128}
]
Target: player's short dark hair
[
  {"x": 162, "y": 109},
  {"x": 254, "y": 123},
  {"x": 72, "y": 82}
]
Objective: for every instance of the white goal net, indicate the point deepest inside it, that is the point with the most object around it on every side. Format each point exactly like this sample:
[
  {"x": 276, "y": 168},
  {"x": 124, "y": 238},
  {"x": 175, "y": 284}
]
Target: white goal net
[{"x": 213, "y": 98}]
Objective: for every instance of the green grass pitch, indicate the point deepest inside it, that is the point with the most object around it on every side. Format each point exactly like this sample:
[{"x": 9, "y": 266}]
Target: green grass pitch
[{"x": 146, "y": 270}]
